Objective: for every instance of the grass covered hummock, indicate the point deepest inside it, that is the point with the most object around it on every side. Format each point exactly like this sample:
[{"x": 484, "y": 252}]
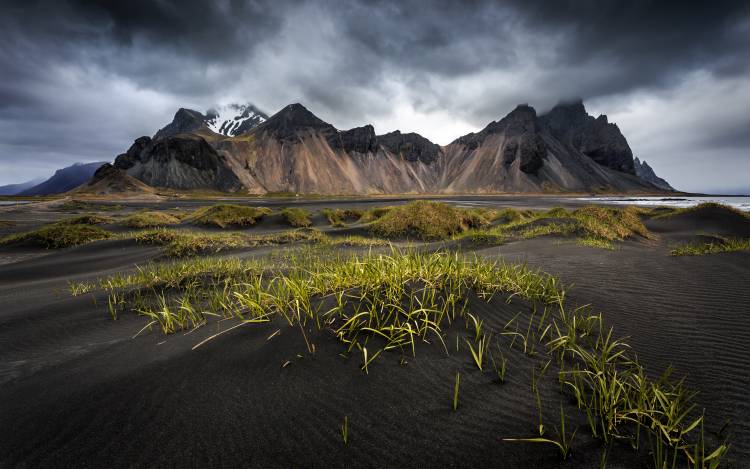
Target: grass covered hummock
[
  {"x": 340, "y": 216},
  {"x": 667, "y": 212},
  {"x": 150, "y": 219},
  {"x": 227, "y": 215},
  {"x": 595, "y": 226},
  {"x": 297, "y": 217},
  {"x": 427, "y": 220},
  {"x": 89, "y": 219},
  {"x": 59, "y": 235},
  {"x": 184, "y": 243},
  {"x": 80, "y": 205}
]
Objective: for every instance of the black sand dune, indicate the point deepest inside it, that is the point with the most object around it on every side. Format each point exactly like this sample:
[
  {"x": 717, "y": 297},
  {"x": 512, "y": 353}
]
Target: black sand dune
[
  {"x": 709, "y": 220},
  {"x": 77, "y": 385},
  {"x": 76, "y": 390},
  {"x": 689, "y": 312}
]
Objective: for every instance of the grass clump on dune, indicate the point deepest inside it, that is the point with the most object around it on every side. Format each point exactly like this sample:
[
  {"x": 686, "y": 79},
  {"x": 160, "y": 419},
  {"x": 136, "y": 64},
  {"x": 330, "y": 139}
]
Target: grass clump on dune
[
  {"x": 88, "y": 219},
  {"x": 666, "y": 212},
  {"x": 595, "y": 226},
  {"x": 291, "y": 287},
  {"x": 427, "y": 220},
  {"x": 511, "y": 215},
  {"x": 720, "y": 244},
  {"x": 338, "y": 217},
  {"x": 80, "y": 205},
  {"x": 596, "y": 243},
  {"x": 59, "y": 235},
  {"x": 384, "y": 305},
  {"x": 228, "y": 215},
  {"x": 374, "y": 213},
  {"x": 150, "y": 219},
  {"x": 354, "y": 241},
  {"x": 297, "y": 217},
  {"x": 184, "y": 243}
]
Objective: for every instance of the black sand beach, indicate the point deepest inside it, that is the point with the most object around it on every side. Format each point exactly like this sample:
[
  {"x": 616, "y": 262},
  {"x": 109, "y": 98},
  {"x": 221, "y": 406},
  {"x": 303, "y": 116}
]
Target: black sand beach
[{"x": 76, "y": 390}]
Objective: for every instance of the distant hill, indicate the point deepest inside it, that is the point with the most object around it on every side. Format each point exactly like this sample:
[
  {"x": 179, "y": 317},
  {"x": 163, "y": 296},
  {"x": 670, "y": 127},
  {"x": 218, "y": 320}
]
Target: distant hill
[
  {"x": 64, "y": 179},
  {"x": 13, "y": 189},
  {"x": 109, "y": 180},
  {"x": 238, "y": 150}
]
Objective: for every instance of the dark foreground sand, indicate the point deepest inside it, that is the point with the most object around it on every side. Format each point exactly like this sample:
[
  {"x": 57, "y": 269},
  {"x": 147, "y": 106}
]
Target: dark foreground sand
[{"x": 77, "y": 391}]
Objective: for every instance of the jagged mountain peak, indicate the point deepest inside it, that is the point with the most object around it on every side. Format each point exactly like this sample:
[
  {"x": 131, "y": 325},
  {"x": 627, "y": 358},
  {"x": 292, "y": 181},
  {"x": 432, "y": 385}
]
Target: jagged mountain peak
[
  {"x": 230, "y": 120},
  {"x": 234, "y": 119},
  {"x": 596, "y": 138},
  {"x": 644, "y": 171},
  {"x": 520, "y": 120},
  {"x": 291, "y": 120},
  {"x": 410, "y": 146}
]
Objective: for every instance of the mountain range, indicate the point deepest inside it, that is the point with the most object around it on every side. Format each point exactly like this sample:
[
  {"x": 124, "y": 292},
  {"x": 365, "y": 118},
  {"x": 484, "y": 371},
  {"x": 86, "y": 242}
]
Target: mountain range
[{"x": 241, "y": 149}]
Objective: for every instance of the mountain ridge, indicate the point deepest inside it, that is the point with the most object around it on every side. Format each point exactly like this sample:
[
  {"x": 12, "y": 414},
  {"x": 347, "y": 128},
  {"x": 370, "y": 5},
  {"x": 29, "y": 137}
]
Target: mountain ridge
[
  {"x": 646, "y": 172},
  {"x": 563, "y": 150},
  {"x": 230, "y": 120}
]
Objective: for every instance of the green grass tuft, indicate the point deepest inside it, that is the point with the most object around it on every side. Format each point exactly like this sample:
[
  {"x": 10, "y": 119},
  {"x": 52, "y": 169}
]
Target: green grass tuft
[
  {"x": 721, "y": 244},
  {"x": 297, "y": 217},
  {"x": 59, "y": 235},
  {"x": 596, "y": 226},
  {"x": 375, "y": 213},
  {"x": 79, "y": 205},
  {"x": 666, "y": 212},
  {"x": 184, "y": 243},
  {"x": 150, "y": 219},
  {"x": 340, "y": 216},
  {"x": 88, "y": 219},
  {"x": 596, "y": 243},
  {"x": 228, "y": 215}
]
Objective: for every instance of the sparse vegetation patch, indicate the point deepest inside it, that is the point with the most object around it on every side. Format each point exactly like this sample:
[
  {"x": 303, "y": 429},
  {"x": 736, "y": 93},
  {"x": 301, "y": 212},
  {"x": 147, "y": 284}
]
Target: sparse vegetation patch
[
  {"x": 183, "y": 243},
  {"x": 717, "y": 245},
  {"x": 89, "y": 219},
  {"x": 59, "y": 235},
  {"x": 297, "y": 217},
  {"x": 83, "y": 206},
  {"x": 380, "y": 304},
  {"x": 150, "y": 219},
  {"x": 667, "y": 212},
  {"x": 340, "y": 216},
  {"x": 228, "y": 215}
]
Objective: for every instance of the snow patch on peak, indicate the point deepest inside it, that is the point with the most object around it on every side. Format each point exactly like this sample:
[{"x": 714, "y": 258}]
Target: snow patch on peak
[{"x": 234, "y": 119}]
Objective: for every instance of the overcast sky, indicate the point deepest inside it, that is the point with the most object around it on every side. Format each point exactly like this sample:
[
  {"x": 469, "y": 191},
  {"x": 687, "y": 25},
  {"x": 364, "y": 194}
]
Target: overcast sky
[{"x": 82, "y": 79}]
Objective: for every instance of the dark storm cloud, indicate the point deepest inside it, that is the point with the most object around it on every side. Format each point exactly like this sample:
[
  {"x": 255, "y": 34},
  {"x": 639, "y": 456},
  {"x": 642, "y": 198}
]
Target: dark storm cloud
[{"x": 92, "y": 75}]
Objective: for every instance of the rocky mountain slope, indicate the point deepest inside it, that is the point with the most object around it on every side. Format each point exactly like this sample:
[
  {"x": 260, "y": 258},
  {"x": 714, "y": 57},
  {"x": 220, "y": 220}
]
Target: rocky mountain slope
[
  {"x": 64, "y": 179},
  {"x": 645, "y": 172},
  {"x": 564, "y": 150}
]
